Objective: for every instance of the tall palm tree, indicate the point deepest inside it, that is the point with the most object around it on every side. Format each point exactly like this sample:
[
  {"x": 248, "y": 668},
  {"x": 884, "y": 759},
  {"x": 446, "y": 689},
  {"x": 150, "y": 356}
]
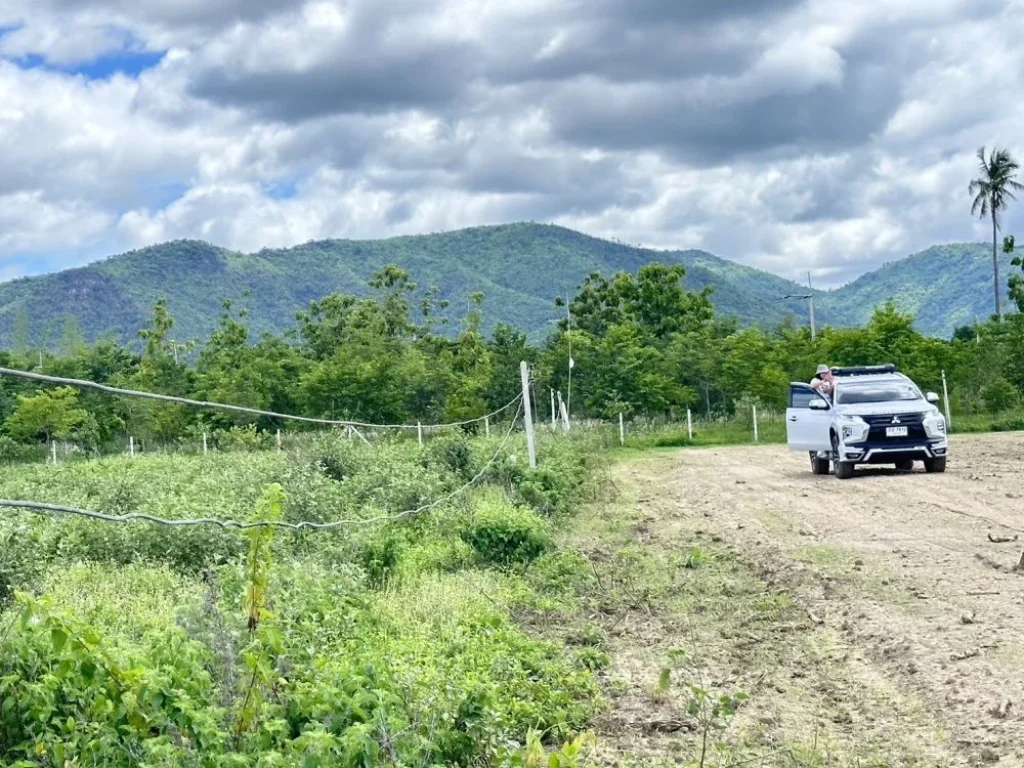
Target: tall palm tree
[{"x": 992, "y": 192}]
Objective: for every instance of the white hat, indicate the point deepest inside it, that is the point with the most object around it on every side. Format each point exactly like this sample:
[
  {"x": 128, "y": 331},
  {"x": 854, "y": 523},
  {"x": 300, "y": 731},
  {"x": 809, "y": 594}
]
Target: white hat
[{"x": 822, "y": 369}]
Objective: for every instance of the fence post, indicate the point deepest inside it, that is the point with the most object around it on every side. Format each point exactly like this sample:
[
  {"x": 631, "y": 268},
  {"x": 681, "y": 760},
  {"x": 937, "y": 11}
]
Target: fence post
[
  {"x": 552, "y": 409},
  {"x": 622, "y": 431},
  {"x": 131, "y": 446},
  {"x": 205, "y": 449},
  {"x": 564, "y": 413},
  {"x": 689, "y": 424},
  {"x": 945, "y": 403},
  {"x": 524, "y": 373},
  {"x": 419, "y": 432},
  {"x": 754, "y": 409},
  {"x": 487, "y": 426},
  {"x": 279, "y": 439},
  {"x": 53, "y": 451}
]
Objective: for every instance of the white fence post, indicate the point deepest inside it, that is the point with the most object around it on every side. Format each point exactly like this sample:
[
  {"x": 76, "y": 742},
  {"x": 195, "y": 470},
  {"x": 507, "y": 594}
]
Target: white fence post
[
  {"x": 564, "y": 413},
  {"x": 754, "y": 409},
  {"x": 53, "y": 451},
  {"x": 131, "y": 446},
  {"x": 205, "y": 448},
  {"x": 552, "y": 409},
  {"x": 622, "y": 431},
  {"x": 419, "y": 432},
  {"x": 487, "y": 426},
  {"x": 279, "y": 439},
  {"x": 945, "y": 403},
  {"x": 531, "y": 449},
  {"x": 689, "y": 424}
]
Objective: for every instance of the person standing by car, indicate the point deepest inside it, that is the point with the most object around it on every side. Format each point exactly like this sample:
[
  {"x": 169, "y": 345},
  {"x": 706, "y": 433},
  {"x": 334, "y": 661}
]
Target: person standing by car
[{"x": 824, "y": 382}]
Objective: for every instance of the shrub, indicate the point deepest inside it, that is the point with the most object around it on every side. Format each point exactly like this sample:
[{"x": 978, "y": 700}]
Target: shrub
[
  {"x": 452, "y": 452},
  {"x": 504, "y": 534}
]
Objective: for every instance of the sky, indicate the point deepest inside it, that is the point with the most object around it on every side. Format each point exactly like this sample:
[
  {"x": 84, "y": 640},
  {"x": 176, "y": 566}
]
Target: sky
[{"x": 827, "y": 136}]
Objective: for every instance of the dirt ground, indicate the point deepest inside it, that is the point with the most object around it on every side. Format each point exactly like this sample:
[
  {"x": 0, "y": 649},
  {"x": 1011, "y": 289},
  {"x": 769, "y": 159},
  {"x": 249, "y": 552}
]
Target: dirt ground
[{"x": 901, "y": 637}]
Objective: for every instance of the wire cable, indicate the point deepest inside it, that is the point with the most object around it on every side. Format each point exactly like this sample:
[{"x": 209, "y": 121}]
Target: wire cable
[
  {"x": 239, "y": 408},
  {"x": 36, "y": 506}
]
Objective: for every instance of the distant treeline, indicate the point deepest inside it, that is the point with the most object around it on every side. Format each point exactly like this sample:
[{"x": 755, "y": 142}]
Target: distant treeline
[{"x": 641, "y": 344}]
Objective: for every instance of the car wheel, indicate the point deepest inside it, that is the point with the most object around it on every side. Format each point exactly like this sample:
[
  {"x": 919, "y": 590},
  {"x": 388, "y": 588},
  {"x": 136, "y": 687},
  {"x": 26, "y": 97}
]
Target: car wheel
[
  {"x": 905, "y": 466},
  {"x": 842, "y": 469},
  {"x": 938, "y": 464},
  {"x": 819, "y": 466}
]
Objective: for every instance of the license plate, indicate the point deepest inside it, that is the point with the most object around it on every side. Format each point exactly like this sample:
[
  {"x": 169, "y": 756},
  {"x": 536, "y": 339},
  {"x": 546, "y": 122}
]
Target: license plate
[{"x": 895, "y": 431}]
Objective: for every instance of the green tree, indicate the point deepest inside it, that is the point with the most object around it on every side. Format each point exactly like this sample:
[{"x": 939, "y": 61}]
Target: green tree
[
  {"x": 992, "y": 191},
  {"x": 47, "y": 414},
  {"x": 1016, "y": 281}
]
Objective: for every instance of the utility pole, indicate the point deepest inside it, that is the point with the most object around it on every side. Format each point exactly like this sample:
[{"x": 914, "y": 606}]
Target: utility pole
[{"x": 810, "y": 299}]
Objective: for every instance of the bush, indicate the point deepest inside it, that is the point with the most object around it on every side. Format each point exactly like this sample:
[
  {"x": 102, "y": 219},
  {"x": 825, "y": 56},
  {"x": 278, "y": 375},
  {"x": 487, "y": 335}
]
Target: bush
[
  {"x": 452, "y": 452},
  {"x": 504, "y": 534}
]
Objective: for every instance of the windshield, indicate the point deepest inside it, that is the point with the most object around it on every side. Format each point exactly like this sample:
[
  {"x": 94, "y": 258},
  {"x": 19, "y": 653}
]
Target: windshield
[{"x": 876, "y": 392}]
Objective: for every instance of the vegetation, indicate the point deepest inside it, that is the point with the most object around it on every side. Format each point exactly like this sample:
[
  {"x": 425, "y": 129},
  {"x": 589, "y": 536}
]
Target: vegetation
[
  {"x": 393, "y": 644},
  {"x": 642, "y": 345},
  {"x": 993, "y": 190},
  {"x": 520, "y": 268}
]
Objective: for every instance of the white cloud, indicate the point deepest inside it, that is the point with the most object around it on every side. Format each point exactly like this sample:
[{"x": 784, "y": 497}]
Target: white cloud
[{"x": 817, "y": 136}]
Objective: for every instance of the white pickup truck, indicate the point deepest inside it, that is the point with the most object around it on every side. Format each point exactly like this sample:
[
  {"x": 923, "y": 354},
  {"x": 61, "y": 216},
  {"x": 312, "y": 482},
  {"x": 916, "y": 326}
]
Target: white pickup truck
[{"x": 876, "y": 416}]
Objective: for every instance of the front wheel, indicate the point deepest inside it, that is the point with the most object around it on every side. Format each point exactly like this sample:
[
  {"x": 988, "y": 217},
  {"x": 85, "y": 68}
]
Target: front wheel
[
  {"x": 938, "y": 464},
  {"x": 819, "y": 466},
  {"x": 842, "y": 469}
]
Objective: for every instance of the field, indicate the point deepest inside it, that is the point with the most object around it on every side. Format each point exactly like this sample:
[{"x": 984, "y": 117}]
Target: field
[
  {"x": 706, "y": 607},
  {"x": 897, "y": 633}
]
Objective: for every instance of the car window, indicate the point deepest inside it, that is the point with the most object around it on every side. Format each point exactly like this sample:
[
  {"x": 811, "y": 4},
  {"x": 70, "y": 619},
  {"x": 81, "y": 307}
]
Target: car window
[
  {"x": 876, "y": 392},
  {"x": 801, "y": 398}
]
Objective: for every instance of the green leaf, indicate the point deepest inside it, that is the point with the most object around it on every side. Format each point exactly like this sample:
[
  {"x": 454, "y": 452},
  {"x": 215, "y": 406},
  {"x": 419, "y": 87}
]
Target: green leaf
[{"x": 58, "y": 637}]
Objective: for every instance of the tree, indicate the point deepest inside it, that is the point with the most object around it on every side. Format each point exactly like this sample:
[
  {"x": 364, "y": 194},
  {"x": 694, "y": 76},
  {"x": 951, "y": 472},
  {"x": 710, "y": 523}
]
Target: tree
[
  {"x": 992, "y": 191},
  {"x": 1016, "y": 281},
  {"x": 48, "y": 413}
]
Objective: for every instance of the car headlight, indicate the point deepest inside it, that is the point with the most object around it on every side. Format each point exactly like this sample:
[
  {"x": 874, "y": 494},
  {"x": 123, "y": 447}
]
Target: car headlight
[
  {"x": 853, "y": 428},
  {"x": 935, "y": 425}
]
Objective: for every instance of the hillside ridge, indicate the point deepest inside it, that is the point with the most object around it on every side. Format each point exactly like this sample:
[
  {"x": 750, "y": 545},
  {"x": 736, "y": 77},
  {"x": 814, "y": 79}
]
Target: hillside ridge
[{"x": 520, "y": 267}]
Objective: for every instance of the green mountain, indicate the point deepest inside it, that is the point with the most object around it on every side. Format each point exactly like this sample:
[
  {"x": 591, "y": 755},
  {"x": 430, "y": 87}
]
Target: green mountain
[
  {"x": 520, "y": 268},
  {"x": 944, "y": 287}
]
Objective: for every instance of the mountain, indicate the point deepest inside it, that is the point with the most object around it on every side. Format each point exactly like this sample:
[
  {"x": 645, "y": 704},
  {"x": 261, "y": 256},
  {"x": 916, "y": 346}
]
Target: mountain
[
  {"x": 944, "y": 287},
  {"x": 520, "y": 268}
]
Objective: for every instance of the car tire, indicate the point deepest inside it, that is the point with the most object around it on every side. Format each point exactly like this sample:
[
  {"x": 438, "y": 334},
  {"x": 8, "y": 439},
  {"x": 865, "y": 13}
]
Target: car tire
[
  {"x": 938, "y": 464},
  {"x": 905, "y": 466},
  {"x": 841, "y": 469},
  {"x": 819, "y": 466}
]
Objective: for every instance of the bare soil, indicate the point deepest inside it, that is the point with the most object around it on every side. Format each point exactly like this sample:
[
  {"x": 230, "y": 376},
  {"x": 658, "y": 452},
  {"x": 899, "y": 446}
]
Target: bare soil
[{"x": 872, "y": 621}]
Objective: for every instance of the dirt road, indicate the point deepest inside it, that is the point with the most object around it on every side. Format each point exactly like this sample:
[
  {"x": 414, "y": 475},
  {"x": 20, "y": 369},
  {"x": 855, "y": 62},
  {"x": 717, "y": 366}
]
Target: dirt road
[{"x": 900, "y": 568}]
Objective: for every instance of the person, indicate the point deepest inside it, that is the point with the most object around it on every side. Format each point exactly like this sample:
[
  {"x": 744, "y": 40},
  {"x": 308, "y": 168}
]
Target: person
[{"x": 824, "y": 382}]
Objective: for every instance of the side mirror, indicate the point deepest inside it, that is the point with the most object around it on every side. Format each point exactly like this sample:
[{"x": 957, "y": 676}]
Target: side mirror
[
  {"x": 817, "y": 404},
  {"x": 932, "y": 398}
]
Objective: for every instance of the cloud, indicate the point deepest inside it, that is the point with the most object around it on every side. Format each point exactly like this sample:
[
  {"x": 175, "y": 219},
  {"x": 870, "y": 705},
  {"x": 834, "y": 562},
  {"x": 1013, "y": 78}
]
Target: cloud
[{"x": 792, "y": 135}]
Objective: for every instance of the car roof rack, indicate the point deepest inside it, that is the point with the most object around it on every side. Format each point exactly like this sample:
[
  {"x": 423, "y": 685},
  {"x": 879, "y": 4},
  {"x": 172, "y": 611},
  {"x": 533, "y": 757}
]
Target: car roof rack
[{"x": 864, "y": 370}]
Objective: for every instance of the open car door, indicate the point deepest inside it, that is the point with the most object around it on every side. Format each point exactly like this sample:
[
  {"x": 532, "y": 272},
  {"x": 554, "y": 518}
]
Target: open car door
[{"x": 807, "y": 419}]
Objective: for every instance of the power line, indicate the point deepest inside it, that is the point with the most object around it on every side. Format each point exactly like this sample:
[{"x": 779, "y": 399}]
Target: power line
[
  {"x": 37, "y": 506},
  {"x": 238, "y": 408}
]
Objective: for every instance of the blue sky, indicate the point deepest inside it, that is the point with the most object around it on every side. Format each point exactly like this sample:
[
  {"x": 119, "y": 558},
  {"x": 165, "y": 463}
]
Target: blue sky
[{"x": 791, "y": 135}]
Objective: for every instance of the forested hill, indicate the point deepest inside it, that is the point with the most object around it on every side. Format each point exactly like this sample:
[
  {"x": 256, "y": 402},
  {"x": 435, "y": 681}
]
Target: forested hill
[{"x": 520, "y": 268}]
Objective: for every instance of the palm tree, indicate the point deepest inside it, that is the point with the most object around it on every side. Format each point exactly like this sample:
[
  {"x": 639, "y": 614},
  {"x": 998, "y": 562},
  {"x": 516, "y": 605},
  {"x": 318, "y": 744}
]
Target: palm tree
[{"x": 992, "y": 191}]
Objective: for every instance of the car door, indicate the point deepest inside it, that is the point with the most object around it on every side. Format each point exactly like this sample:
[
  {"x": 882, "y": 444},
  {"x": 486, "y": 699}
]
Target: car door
[{"x": 807, "y": 428}]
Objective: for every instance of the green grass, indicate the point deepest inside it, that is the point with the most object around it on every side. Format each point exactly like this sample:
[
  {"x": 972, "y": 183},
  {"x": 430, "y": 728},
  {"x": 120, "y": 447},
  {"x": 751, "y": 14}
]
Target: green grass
[{"x": 395, "y": 643}]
